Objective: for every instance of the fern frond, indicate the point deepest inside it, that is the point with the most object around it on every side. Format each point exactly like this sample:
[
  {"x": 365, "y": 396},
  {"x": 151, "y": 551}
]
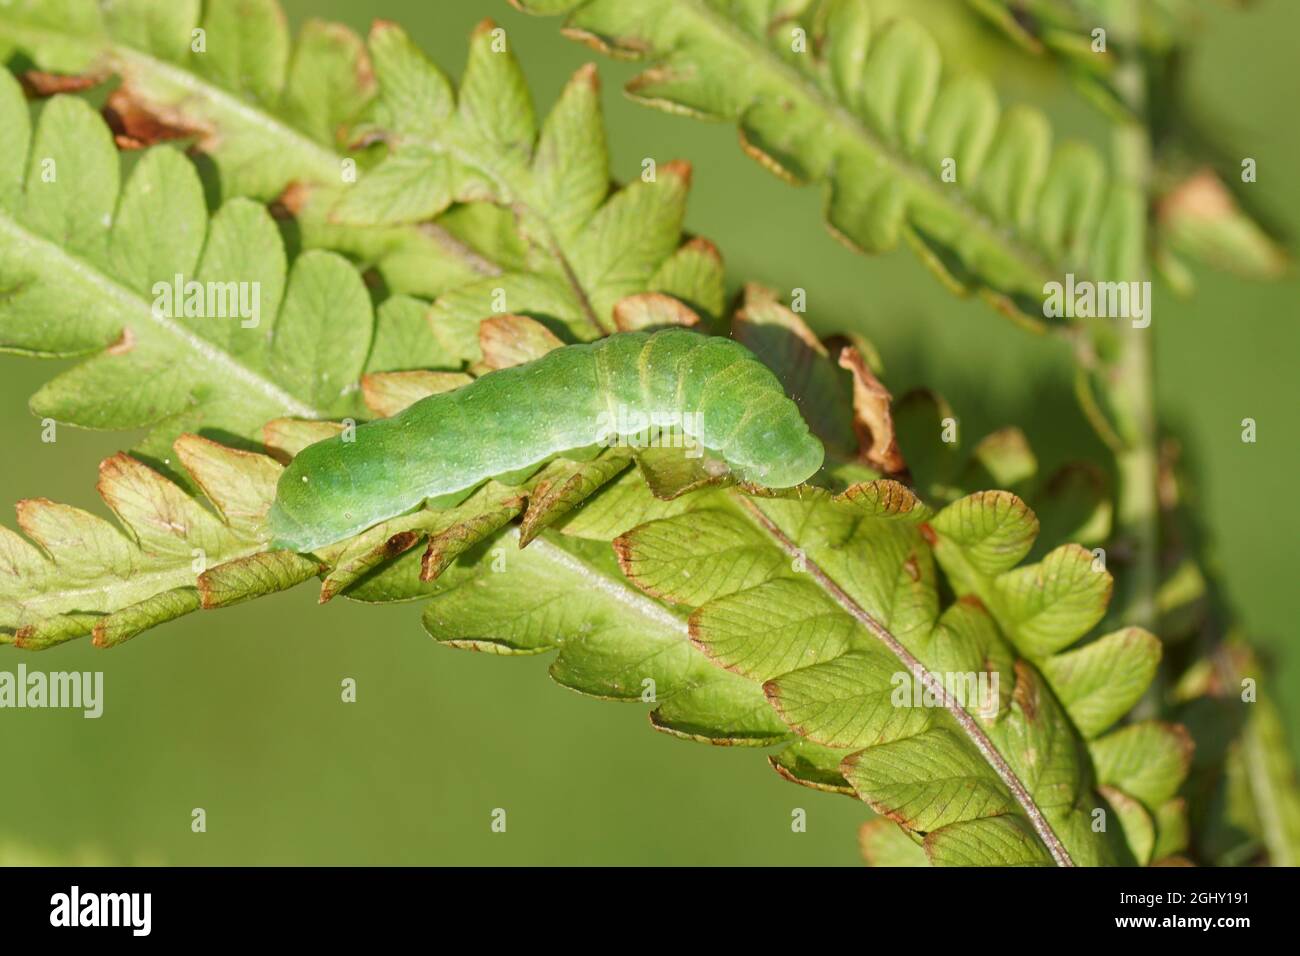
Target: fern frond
[
  {"x": 87, "y": 576},
  {"x": 745, "y": 618},
  {"x": 587, "y": 249},
  {"x": 1196, "y": 214},
  {"x": 823, "y": 95},
  {"x": 1044, "y": 608}
]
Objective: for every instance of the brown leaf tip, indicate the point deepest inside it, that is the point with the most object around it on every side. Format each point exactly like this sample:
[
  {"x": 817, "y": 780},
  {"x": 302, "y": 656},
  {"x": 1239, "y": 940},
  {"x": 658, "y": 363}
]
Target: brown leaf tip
[
  {"x": 138, "y": 124},
  {"x": 705, "y": 247},
  {"x": 622, "y": 546},
  {"x": 291, "y": 201},
  {"x": 381, "y": 25},
  {"x": 125, "y": 342},
  {"x": 1201, "y": 196},
  {"x": 1025, "y": 693},
  {"x": 587, "y": 75},
  {"x": 37, "y": 83},
  {"x": 679, "y": 169},
  {"x": 111, "y": 470}
]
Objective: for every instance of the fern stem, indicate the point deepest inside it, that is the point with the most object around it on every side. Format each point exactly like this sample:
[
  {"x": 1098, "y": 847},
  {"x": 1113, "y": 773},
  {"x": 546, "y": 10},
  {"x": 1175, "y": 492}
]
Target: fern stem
[
  {"x": 1131, "y": 379},
  {"x": 918, "y": 671},
  {"x": 1137, "y": 504},
  {"x": 461, "y": 251}
]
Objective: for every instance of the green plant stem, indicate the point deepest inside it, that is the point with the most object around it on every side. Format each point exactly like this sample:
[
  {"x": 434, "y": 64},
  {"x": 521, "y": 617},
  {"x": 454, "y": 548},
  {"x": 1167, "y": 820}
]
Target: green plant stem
[
  {"x": 1136, "y": 464},
  {"x": 1130, "y": 379}
]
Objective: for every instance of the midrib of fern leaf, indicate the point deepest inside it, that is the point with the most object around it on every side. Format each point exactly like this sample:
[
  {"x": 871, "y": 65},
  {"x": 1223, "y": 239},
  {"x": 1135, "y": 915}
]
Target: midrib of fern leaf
[
  {"x": 1044, "y": 609},
  {"x": 272, "y": 115},
  {"x": 863, "y": 111}
]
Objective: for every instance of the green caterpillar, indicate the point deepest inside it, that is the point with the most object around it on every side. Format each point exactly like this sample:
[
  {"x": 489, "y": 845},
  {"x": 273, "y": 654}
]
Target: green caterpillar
[{"x": 570, "y": 403}]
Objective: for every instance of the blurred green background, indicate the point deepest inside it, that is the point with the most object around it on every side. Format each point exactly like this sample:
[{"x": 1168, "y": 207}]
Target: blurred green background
[{"x": 238, "y": 712}]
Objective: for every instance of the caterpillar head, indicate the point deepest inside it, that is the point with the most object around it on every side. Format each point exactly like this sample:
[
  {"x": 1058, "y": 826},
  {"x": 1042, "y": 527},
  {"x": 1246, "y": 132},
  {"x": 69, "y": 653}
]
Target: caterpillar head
[{"x": 778, "y": 451}]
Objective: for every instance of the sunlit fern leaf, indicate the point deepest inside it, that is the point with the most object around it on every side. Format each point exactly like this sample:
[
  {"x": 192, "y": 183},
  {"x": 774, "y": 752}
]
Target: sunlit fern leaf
[
  {"x": 91, "y": 269},
  {"x": 587, "y": 248},
  {"x": 1044, "y": 609},
  {"x": 824, "y": 95},
  {"x": 759, "y": 615}
]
